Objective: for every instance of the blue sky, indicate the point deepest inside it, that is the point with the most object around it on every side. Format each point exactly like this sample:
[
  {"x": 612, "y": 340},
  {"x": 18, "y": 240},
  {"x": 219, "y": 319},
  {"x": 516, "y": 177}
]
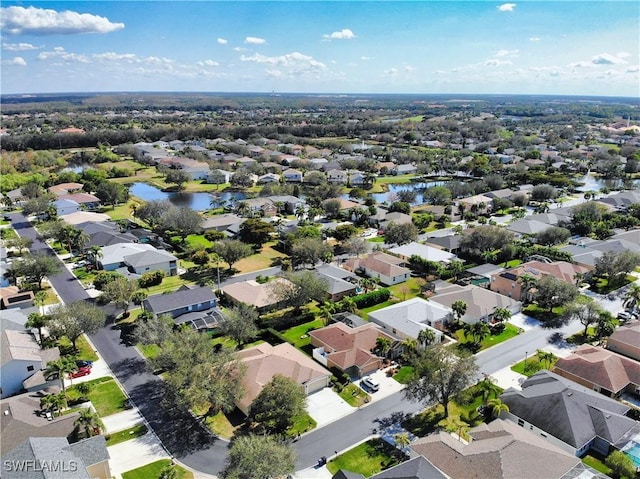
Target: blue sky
[{"x": 532, "y": 47}]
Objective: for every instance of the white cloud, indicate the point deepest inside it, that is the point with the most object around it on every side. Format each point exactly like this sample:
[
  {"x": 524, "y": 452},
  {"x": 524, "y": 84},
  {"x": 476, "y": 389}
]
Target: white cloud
[
  {"x": 208, "y": 63},
  {"x": 506, "y": 53},
  {"x": 494, "y": 62},
  {"x": 38, "y": 21},
  {"x": 506, "y": 7},
  {"x": 60, "y": 54},
  {"x": 534, "y": 39},
  {"x": 116, "y": 57},
  {"x": 222, "y": 41},
  {"x": 240, "y": 49},
  {"x": 581, "y": 64},
  {"x": 633, "y": 69},
  {"x": 17, "y": 61},
  {"x": 409, "y": 68},
  {"x": 255, "y": 41},
  {"x": 344, "y": 34},
  {"x": 366, "y": 58},
  {"x": 18, "y": 47},
  {"x": 606, "y": 59},
  {"x": 289, "y": 59},
  {"x": 392, "y": 72},
  {"x": 623, "y": 54}
]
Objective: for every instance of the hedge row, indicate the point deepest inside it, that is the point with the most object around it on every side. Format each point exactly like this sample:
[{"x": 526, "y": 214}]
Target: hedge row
[{"x": 370, "y": 299}]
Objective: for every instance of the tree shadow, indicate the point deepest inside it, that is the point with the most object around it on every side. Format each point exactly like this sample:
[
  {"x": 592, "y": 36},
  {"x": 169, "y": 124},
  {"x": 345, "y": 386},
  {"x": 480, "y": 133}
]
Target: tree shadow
[{"x": 179, "y": 430}]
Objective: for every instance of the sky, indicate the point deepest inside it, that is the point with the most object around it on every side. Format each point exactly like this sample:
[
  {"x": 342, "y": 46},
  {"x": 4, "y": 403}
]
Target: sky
[{"x": 473, "y": 47}]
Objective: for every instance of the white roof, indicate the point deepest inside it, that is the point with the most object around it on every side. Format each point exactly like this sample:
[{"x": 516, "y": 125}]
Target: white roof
[
  {"x": 116, "y": 253},
  {"x": 411, "y": 316},
  {"x": 84, "y": 217},
  {"x": 426, "y": 252}
]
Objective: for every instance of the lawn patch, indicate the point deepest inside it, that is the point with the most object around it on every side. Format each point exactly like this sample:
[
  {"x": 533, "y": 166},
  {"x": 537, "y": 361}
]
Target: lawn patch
[
  {"x": 404, "y": 374},
  {"x": 353, "y": 395},
  {"x": 153, "y": 470},
  {"x": 221, "y": 425},
  {"x": 596, "y": 461},
  {"x": 196, "y": 242},
  {"x": 126, "y": 435},
  {"x": 367, "y": 459},
  {"x": 84, "y": 350},
  {"x": 149, "y": 351},
  {"x": 262, "y": 260},
  {"x": 105, "y": 395},
  {"x": 301, "y": 424},
  {"x": 532, "y": 365},
  {"x": 299, "y": 335},
  {"x": 464, "y": 342}
]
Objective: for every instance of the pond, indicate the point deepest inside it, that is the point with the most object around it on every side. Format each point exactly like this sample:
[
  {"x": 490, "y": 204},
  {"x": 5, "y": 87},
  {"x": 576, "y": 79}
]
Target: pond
[
  {"x": 195, "y": 201},
  {"x": 595, "y": 183},
  {"x": 393, "y": 189}
]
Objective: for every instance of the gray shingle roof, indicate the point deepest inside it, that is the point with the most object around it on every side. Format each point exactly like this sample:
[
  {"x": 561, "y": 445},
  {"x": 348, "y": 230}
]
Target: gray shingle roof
[
  {"x": 416, "y": 468},
  {"x": 92, "y": 450},
  {"x": 163, "y": 303}
]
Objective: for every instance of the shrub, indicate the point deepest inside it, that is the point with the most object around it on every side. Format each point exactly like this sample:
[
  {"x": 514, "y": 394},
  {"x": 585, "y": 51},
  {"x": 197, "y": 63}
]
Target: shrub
[
  {"x": 105, "y": 277},
  {"x": 370, "y": 299},
  {"x": 152, "y": 278},
  {"x": 214, "y": 235}
]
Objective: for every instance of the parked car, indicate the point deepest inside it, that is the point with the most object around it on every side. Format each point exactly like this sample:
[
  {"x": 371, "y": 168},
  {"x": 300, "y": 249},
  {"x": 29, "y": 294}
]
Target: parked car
[
  {"x": 370, "y": 383},
  {"x": 624, "y": 316},
  {"x": 81, "y": 363},
  {"x": 85, "y": 371}
]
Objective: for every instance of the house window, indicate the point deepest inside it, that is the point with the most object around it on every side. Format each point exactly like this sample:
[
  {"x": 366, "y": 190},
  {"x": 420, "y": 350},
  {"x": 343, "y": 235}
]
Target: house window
[
  {"x": 29, "y": 368},
  {"x": 521, "y": 422},
  {"x": 394, "y": 330}
]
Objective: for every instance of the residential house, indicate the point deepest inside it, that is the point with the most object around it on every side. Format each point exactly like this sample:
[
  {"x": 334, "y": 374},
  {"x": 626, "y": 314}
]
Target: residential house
[
  {"x": 481, "y": 275},
  {"x": 11, "y": 297},
  {"x": 262, "y": 296},
  {"x": 405, "y": 170},
  {"x": 337, "y": 176},
  {"x": 289, "y": 202},
  {"x": 222, "y": 222},
  {"x": 499, "y": 450},
  {"x": 396, "y": 218},
  {"x": 389, "y": 270},
  {"x": 507, "y": 282},
  {"x": 340, "y": 282},
  {"x": 416, "y": 468},
  {"x": 264, "y": 361},
  {"x": 86, "y": 200},
  {"x": 22, "y": 418},
  {"x": 23, "y": 359},
  {"x": 350, "y": 350},
  {"x": 88, "y": 458},
  {"x": 64, "y": 207},
  {"x": 15, "y": 196},
  {"x": 219, "y": 176},
  {"x": 527, "y": 227},
  {"x": 479, "y": 203},
  {"x": 626, "y": 340},
  {"x": 293, "y": 176},
  {"x": 621, "y": 201},
  {"x": 317, "y": 163},
  {"x": 358, "y": 178},
  {"x": 569, "y": 415},
  {"x": 80, "y": 217},
  {"x": 269, "y": 178},
  {"x": 138, "y": 258},
  {"x": 406, "y": 319},
  {"x": 450, "y": 243},
  {"x": 423, "y": 251},
  {"x": 66, "y": 188},
  {"x": 196, "y": 306},
  {"x": 107, "y": 238},
  {"x": 260, "y": 206},
  {"x": 602, "y": 370},
  {"x": 5, "y": 265},
  {"x": 481, "y": 302}
]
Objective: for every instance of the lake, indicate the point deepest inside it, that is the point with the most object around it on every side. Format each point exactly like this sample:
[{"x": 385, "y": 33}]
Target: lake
[
  {"x": 393, "y": 189},
  {"x": 595, "y": 183},
  {"x": 195, "y": 201}
]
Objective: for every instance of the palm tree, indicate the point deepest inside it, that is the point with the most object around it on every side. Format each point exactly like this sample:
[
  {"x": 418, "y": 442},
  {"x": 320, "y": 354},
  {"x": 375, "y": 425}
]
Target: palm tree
[
  {"x": 383, "y": 345},
  {"x": 94, "y": 254},
  {"x": 468, "y": 330},
  {"x": 402, "y": 440},
  {"x": 348, "y": 304},
  {"x": 300, "y": 212},
  {"x": 59, "y": 402},
  {"x": 497, "y": 407},
  {"x": 242, "y": 208},
  {"x": 545, "y": 357},
  {"x": 410, "y": 346},
  {"x": 480, "y": 331},
  {"x": 84, "y": 389},
  {"x": 326, "y": 311},
  {"x": 47, "y": 402},
  {"x": 37, "y": 321},
  {"x": 527, "y": 282},
  {"x": 632, "y": 297},
  {"x": 606, "y": 325},
  {"x": 39, "y": 298},
  {"x": 455, "y": 267},
  {"x": 459, "y": 308},
  {"x": 426, "y": 337},
  {"x": 488, "y": 389},
  {"x": 59, "y": 368},
  {"x": 89, "y": 423},
  {"x": 501, "y": 315}
]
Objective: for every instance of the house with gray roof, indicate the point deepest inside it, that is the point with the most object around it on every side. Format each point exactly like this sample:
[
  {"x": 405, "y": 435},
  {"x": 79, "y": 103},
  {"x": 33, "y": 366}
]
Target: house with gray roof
[
  {"x": 450, "y": 243},
  {"x": 568, "y": 415},
  {"x": 526, "y": 227},
  {"x": 340, "y": 282},
  {"x": 481, "y": 302},
  {"x": 626, "y": 340},
  {"x": 621, "y": 201},
  {"x": 499, "y": 450},
  {"x": 22, "y": 361},
  {"x": 426, "y": 252},
  {"x": 139, "y": 258},
  {"x": 406, "y": 319},
  {"x": 51, "y": 457},
  {"x": 195, "y": 306}
]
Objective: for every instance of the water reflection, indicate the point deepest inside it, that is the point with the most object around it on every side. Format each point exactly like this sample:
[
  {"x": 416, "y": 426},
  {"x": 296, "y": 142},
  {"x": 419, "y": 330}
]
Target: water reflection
[{"x": 195, "y": 201}]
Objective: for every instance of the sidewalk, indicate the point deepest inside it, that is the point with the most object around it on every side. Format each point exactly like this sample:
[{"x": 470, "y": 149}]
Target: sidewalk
[{"x": 122, "y": 420}]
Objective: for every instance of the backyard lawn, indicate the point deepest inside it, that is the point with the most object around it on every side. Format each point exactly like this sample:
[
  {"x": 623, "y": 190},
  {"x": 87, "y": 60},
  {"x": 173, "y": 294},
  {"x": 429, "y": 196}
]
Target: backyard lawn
[
  {"x": 407, "y": 290},
  {"x": 298, "y": 335},
  {"x": 105, "y": 395},
  {"x": 153, "y": 470},
  {"x": 258, "y": 261},
  {"x": 367, "y": 459},
  {"x": 197, "y": 242}
]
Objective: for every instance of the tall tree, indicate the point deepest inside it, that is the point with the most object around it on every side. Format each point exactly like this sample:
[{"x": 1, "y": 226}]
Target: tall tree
[
  {"x": 310, "y": 251},
  {"x": 75, "y": 319},
  {"x": 501, "y": 315},
  {"x": 111, "y": 193},
  {"x": 20, "y": 243},
  {"x": 259, "y": 457},
  {"x": 154, "y": 329},
  {"x": 587, "y": 314},
  {"x": 552, "y": 292},
  {"x": 240, "y": 324},
  {"x": 459, "y": 308},
  {"x": 303, "y": 286},
  {"x": 59, "y": 368},
  {"x": 527, "y": 283},
  {"x": 88, "y": 423},
  {"x": 439, "y": 374},
  {"x": 120, "y": 291},
  {"x": 38, "y": 321},
  {"x": 256, "y": 232},
  {"x": 178, "y": 178},
  {"x": 277, "y": 405},
  {"x": 400, "y": 233},
  {"x": 36, "y": 267},
  {"x": 631, "y": 298},
  {"x": 232, "y": 251}
]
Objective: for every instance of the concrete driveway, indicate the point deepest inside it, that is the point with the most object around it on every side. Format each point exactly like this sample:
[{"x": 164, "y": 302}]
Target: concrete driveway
[
  {"x": 326, "y": 406},
  {"x": 388, "y": 385},
  {"x": 135, "y": 453}
]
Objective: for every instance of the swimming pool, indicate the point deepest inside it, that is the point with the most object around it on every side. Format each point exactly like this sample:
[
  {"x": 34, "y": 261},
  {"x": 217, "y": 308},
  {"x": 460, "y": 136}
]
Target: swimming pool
[{"x": 632, "y": 449}]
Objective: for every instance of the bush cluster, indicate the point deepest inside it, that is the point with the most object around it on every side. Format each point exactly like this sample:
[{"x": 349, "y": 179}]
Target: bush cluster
[
  {"x": 370, "y": 299},
  {"x": 152, "y": 278}
]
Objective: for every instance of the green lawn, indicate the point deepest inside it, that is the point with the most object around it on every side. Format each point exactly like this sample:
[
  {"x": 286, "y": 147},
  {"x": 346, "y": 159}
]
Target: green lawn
[
  {"x": 105, "y": 394},
  {"x": 262, "y": 260},
  {"x": 364, "y": 312},
  {"x": 376, "y": 239},
  {"x": 198, "y": 242},
  {"x": 596, "y": 461},
  {"x": 509, "y": 332},
  {"x": 220, "y": 425},
  {"x": 301, "y": 424},
  {"x": 126, "y": 435},
  {"x": 298, "y": 335},
  {"x": 532, "y": 366},
  {"x": 404, "y": 374},
  {"x": 367, "y": 459},
  {"x": 353, "y": 395},
  {"x": 84, "y": 349},
  {"x": 407, "y": 290},
  {"x": 153, "y": 470},
  {"x": 149, "y": 351}
]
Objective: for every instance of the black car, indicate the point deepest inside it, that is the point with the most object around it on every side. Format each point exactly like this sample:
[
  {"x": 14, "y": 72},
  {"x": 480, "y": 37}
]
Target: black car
[{"x": 83, "y": 364}]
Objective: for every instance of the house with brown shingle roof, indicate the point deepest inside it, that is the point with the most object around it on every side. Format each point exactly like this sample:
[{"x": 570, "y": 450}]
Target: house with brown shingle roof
[
  {"x": 65, "y": 188},
  {"x": 499, "y": 450},
  {"x": 386, "y": 268},
  {"x": 601, "y": 370},
  {"x": 626, "y": 340},
  {"x": 263, "y": 296},
  {"x": 348, "y": 349},
  {"x": 506, "y": 282},
  {"x": 264, "y": 361}
]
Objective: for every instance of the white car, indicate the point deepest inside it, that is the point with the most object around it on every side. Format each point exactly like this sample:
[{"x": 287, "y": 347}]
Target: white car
[
  {"x": 370, "y": 384},
  {"x": 624, "y": 316}
]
